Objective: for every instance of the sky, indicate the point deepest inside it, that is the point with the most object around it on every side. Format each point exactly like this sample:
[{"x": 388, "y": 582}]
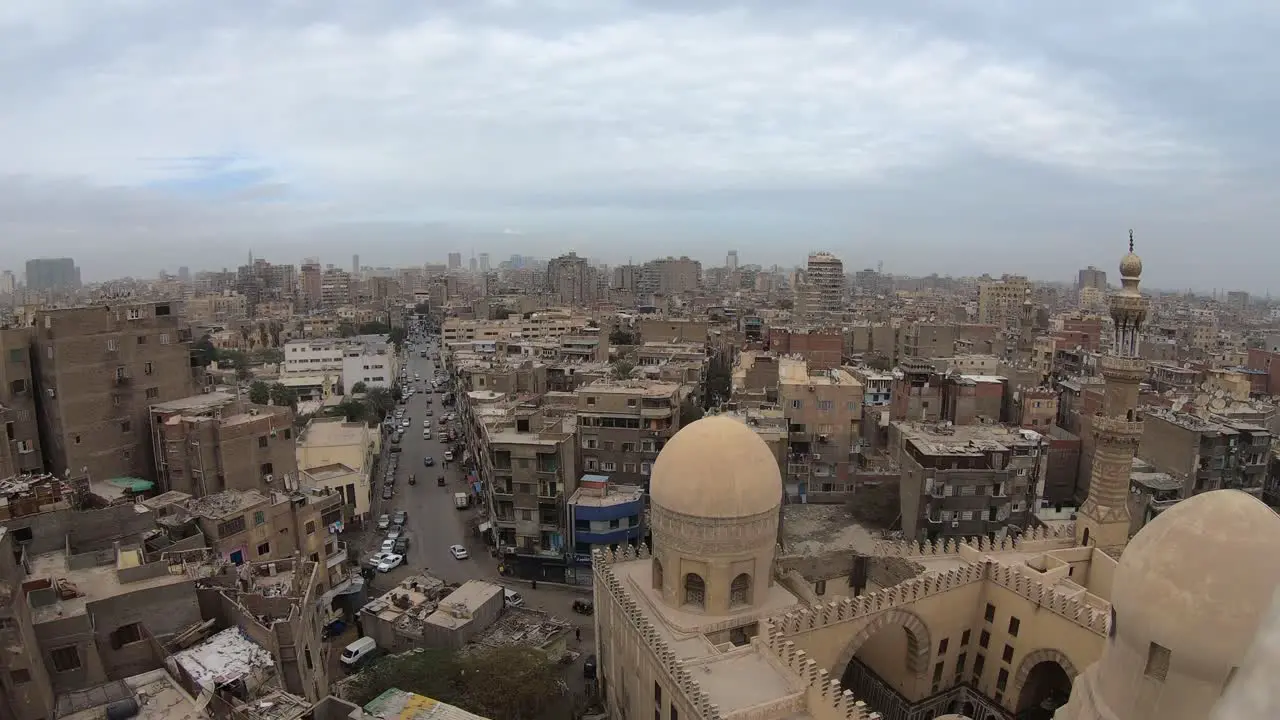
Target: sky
[{"x": 950, "y": 136}]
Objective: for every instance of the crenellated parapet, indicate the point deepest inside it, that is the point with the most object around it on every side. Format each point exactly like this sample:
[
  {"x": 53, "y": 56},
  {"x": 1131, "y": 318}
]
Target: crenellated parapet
[
  {"x": 602, "y": 560},
  {"x": 946, "y": 547},
  {"x": 820, "y": 686},
  {"x": 1061, "y": 603},
  {"x": 843, "y": 610}
]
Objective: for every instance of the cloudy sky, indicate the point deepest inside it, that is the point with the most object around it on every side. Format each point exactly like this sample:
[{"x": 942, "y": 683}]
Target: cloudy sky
[{"x": 951, "y": 136}]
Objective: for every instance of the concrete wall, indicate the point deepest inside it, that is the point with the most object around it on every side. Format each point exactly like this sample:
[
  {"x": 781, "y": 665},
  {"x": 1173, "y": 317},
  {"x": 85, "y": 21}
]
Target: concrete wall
[{"x": 87, "y": 528}]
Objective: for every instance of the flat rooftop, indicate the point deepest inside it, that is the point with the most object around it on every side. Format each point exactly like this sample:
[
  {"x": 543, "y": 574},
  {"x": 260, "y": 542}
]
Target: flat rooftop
[
  {"x": 937, "y": 439},
  {"x": 793, "y": 371},
  {"x": 196, "y": 403},
  {"x": 652, "y": 388},
  {"x": 331, "y": 471},
  {"x": 329, "y": 432},
  {"x": 403, "y": 705},
  {"x": 221, "y": 504},
  {"x": 159, "y": 698},
  {"x": 811, "y": 529},
  {"x": 90, "y": 584},
  {"x": 225, "y": 656}
]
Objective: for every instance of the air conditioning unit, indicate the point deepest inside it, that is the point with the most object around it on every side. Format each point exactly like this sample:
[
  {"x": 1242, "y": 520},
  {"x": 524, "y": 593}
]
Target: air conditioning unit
[
  {"x": 817, "y": 456},
  {"x": 268, "y": 477}
]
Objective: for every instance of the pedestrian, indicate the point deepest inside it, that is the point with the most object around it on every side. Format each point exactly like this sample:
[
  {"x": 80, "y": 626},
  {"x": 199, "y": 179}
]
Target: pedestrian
[
  {"x": 577, "y": 634},
  {"x": 533, "y": 584}
]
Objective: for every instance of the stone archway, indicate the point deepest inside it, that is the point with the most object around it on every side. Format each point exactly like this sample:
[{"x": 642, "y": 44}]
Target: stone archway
[
  {"x": 1029, "y": 663},
  {"x": 919, "y": 642}
]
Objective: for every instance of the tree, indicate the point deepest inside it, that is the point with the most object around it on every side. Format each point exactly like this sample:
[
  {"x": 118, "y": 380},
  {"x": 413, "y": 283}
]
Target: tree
[
  {"x": 422, "y": 308},
  {"x": 346, "y": 329},
  {"x": 358, "y": 388},
  {"x": 259, "y": 393},
  {"x": 515, "y": 682},
  {"x": 301, "y": 419},
  {"x": 500, "y": 314},
  {"x": 351, "y": 410},
  {"x": 276, "y": 328},
  {"x": 283, "y": 396},
  {"x": 396, "y": 336},
  {"x": 719, "y": 380},
  {"x": 374, "y": 327},
  {"x": 622, "y": 368},
  {"x": 689, "y": 412},
  {"x": 621, "y": 337},
  {"x": 879, "y": 362},
  {"x": 264, "y": 337},
  {"x": 380, "y": 401},
  {"x": 204, "y": 351}
]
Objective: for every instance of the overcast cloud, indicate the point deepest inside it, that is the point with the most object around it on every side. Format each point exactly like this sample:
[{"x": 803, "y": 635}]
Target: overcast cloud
[{"x": 948, "y": 136}]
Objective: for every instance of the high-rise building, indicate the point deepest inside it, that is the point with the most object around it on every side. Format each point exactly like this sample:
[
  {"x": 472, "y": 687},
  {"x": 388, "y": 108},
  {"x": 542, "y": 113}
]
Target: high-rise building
[
  {"x": 8, "y": 282},
  {"x": 671, "y": 276},
  {"x": 472, "y": 264},
  {"x": 1000, "y": 301},
  {"x": 98, "y": 370},
  {"x": 825, "y": 277},
  {"x": 1103, "y": 520},
  {"x": 731, "y": 261},
  {"x": 484, "y": 262},
  {"x": 571, "y": 280},
  {"x": 45, "y": 274},
  {"x": 355, "y": 267},
  {"x": 311, "y": 284},
  {"x": 335, "y": 288},
  {"x": 455, "y": 261},
  {"x": 184, "y": 275},
  {"x": 1092, "y": 277}
]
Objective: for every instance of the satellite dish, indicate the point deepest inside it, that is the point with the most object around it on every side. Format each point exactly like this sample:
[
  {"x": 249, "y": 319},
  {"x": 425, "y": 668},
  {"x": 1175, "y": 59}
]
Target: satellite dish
[
  {"x": 1218, "y": 404},
  {"x": 1203, "y": 399}
]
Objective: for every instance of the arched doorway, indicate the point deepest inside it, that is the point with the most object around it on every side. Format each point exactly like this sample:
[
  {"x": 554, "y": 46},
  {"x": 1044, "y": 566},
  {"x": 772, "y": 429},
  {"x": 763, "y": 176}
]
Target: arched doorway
[
  {"x": 1043, "y": 683},
  {"x": 893, "y": 649}
]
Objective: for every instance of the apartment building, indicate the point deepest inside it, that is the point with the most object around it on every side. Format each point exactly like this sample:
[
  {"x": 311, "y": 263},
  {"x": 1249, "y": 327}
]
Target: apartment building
[
  {"x": 1206, "y": 453},
  {"x": 208, "y": 443},
  {"x": 311, "y": 357},
  {"x": 966, "y": 480},
  {"x": 571, "y": 281},
  {"x": 1000, "y": 301},
  {"x": 622, "y": 425},
  {"x": 310, "y": 284},
  {"x": 370, "y": 360},
  {"x": 822, "y": 348},
  {"x": 824, "y": 424},
  {"x": 335, "y": 288},
  {"x": 539, "y": 326},
  {"x": 339, "y": 456},
  {"x": 826, "y": 281},
  {"x": 98, "y": 370},
  {"x": 603, "y": 514},
  {"x": 670, "y": 276},
  {"x": 20, "y": 449},
  {"x": 223, "y": 307},
  {"x": 533, "y": 472}
]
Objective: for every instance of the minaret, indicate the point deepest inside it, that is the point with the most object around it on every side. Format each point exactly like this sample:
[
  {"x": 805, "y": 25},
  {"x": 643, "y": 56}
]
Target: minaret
[{"x": 1103, "y": 520}]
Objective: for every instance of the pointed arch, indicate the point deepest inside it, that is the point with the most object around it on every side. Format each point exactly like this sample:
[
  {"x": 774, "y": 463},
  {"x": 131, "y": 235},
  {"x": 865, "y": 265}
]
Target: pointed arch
[
  {"x": 919, "y": 642},
  {"x": 1029, "y": 662}
]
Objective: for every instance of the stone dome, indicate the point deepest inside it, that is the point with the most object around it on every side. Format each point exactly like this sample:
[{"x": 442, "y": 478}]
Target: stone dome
[
  {"x": 1198, "y": 580},
  {"x": 1130, "y": 265},
  {"x": 716, "y": 467}
]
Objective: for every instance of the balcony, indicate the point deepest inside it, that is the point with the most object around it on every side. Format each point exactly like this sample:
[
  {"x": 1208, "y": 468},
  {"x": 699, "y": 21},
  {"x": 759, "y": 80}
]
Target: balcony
[
  {"x": 501, "y": 490},
  {"x": 338, "y": 557},
  {"x": 656, "y": 413},
  {"x": 798, "y": 436}
]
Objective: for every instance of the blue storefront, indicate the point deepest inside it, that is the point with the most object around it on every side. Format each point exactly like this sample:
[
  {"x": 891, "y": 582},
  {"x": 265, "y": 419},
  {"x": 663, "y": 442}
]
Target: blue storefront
[{"x": 601, "y": 515}]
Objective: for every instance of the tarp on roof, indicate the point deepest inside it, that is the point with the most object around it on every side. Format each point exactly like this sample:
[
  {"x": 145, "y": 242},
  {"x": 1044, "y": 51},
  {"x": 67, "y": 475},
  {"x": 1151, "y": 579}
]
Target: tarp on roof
[{"x": 132, "y": 484}]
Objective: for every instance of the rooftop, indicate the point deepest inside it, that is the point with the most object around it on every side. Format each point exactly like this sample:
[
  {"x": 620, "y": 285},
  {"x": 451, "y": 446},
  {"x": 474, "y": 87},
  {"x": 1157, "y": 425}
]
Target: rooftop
[
  {"x": 597, "y": 491},
  {"x": 70, "y": 589},
  {"x": 950, "y": 439},
  {"x": 522, "y": 626},
  {"x": 402, "y": 705},
  {"x": 812, "y": 529},
  {"x": 795, "y": 371},
  {"x": 457, "y": 609},
  {"x": 652, "y": 388},
  {"x": 326, "y": 432},
  {"x": 225, "y": 656},
  {"x": 206, "y": 402},
  {"x": 228, "y": 502},
  {"x": 159, "y": 698}
]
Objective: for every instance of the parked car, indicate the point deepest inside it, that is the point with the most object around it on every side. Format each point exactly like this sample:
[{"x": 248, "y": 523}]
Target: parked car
[
  {"x": 400, "y": 516},
  {"x": 390, "y": 562},
  {"x": 458, "y": 552},
  {"x": 388, "y": 546},
  {"x": 386, "y": 492},
  {"x": 428, "y": 461},
  {"x": 448, "y": 455},
  {"x": 384, "y": 522},
  {"x": 375, "y": 560},
  {"x": 401, "y": 545},
  {"x": 395, "y": 531}
]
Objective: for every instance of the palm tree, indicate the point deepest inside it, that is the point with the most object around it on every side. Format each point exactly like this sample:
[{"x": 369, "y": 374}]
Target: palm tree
[{"x": 379, "y": 400}]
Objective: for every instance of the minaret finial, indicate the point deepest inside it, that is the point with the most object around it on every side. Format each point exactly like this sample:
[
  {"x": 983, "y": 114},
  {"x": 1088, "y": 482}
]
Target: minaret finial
[{"x": 1130, "y": 239}]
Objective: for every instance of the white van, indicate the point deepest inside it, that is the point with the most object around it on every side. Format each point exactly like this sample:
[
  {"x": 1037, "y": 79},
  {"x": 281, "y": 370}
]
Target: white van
[
  {"x": 357, "y": 651},
  {"x": 512, "y": 597}
]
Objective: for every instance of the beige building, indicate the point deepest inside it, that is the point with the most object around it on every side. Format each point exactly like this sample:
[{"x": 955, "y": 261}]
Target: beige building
[
  {"x": 826, "y": 281},
  {"x": 533, "y": 473},
  {"x": 824, "y": 414},
  {"x": 1000, "y": 301},
  {"x": 20, "y": 444},
  {"x": 98, "y": 370},
  {"x": 212, "y": 442},
  {"x": 219, "y": 308},
  {"x": 707, "y": 625},
  {"x": 339, "y": 456}
]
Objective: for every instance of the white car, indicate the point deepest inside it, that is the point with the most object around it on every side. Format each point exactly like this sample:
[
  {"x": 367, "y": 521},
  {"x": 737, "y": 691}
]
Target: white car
[
  {"x": 406, "y": 422},
  {"x": 458, "y": 552},
  {"x": 390, "y": 562},
  {"x": 426, "y": 424},
  {"x": 388, "y": 546},
  {"x": 426, "y": 434},
  {"x": 448, "y": 455}
]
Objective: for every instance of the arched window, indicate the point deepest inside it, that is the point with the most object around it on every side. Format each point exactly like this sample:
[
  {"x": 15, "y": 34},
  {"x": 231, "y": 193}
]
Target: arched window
[
  {"x": 695, "y": 590},
  {"x": 1086, "y": 536},
  {"x": 657, "y": 574},
  {"x": 740, "y": 590}
]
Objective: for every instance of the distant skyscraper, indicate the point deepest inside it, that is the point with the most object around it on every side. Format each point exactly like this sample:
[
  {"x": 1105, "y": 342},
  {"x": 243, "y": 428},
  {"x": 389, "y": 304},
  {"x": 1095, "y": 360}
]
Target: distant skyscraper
[
  {"x": 52, "y": 274},
  {"x": 472, "y": 264},
  {"x": 355, "y": 266},
  {"x": 484, "y": 262},
  {"x": 455, "y": 261},
  {"x": 184, "y": 275},
  {"x": 1092, "y": 277},
  {"x": 826, "y": 279},
  {"x": 731, "y": 261},
  {"x": 8, "y": 282},
  {"x": 571, "y": 280}
]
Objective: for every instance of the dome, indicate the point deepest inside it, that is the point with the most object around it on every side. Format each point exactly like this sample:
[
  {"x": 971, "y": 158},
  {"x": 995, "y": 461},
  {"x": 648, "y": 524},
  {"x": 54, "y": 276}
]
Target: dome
[
  {"x": 1130, "y": 265},
  {"x": 1198, "y": 580},
  {"x": 716, "y": 467}
]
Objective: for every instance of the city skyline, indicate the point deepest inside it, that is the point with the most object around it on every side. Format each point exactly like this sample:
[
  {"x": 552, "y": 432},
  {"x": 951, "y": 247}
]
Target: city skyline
[{"x": 996, "y": 139}]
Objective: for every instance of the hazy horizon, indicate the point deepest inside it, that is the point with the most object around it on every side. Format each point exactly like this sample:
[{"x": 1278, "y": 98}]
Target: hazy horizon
[{"x": 944, "y": 137}]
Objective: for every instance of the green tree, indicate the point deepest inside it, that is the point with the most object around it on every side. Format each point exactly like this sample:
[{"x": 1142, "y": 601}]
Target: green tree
[
  {"x": 380, "y": 401},
  {"x": 879, "y": 362},
  {"x": 358, "y": 388},
  {"x": 284, "y": 396},
  {"x": 500, "y": 314},
  {"x": 622, "y": 368},
  {"x": 259, "y": 393},
  {"x": 267, "y": 355},
  {"x": 351, "y": 410},
  {"x": 397, "y": 337},
  {"x": 621, "y": 337},
  {"x": 374, "y": 327},
  {"x": 204, "y": 351},
  {"x": 689, "y": 412},
  {"x": 301, "y": 419},
  {"x": 346, "y": 329}
]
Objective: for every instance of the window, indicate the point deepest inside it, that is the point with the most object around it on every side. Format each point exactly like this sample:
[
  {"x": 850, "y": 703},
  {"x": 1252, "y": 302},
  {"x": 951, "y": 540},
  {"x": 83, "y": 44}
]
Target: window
[
  {"x": 20, "y": 676},
  {"x": 17, "y": 387},
  {"x": 266, "y": 468},
  {"x": 1007, "y": 657},
  {"x": 644, "y": 468},
  {"x": 937, "y": 671},
  {"x": 1014, "y": 625},
  {"x": 142, "y": 339},
  {"x": 608, "y": 466},
  {"x": 820, "y": 587},
  {"x": 306, "y": 653},
  {"x": 126, "y": 634},
  {"x": 942, "y": 646},
  {"x": 740, "y": 590},
  {"x": 675, "y": 714},
  {"x": 311, "y": 527},
  {"x": 231, "y": 527},
  {"x": 153, "y": 393},
  {"x": 26, "y": 446},
  {"x": 591, "y": 400},
  {"x": 126, "y": 426},
  {"x": 797, "y": 404},
  {"x": 15, "y": 355},
  {"x": 984, "y": 639},
  {"x": 1157, "y": 662},
  {"x": 825, "y": 405},
  {"x": 75, "y": 439},
  {"x": 695, "y": 590},
  {"x": 113, "y": 344},
  {"x": 147, "y": 369},
  {"x": 65, "y": 659},
  {"x": 1002, "y": 680},
  {"x": 960, "y": 663},
  {"x": 115, "y": 400},
  {"x": 264, "y": 549},
  {"x": 259, "y": 517},
  {"x": 991, "y": 613},
  {"x": 978, "y": 663},
  {"x": 164, "y": 338}
]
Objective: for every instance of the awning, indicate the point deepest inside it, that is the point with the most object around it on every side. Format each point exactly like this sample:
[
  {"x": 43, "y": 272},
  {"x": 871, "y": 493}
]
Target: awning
[
  {"x": 132, "y": 484},
  {"x": 485, "y": 526}
]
